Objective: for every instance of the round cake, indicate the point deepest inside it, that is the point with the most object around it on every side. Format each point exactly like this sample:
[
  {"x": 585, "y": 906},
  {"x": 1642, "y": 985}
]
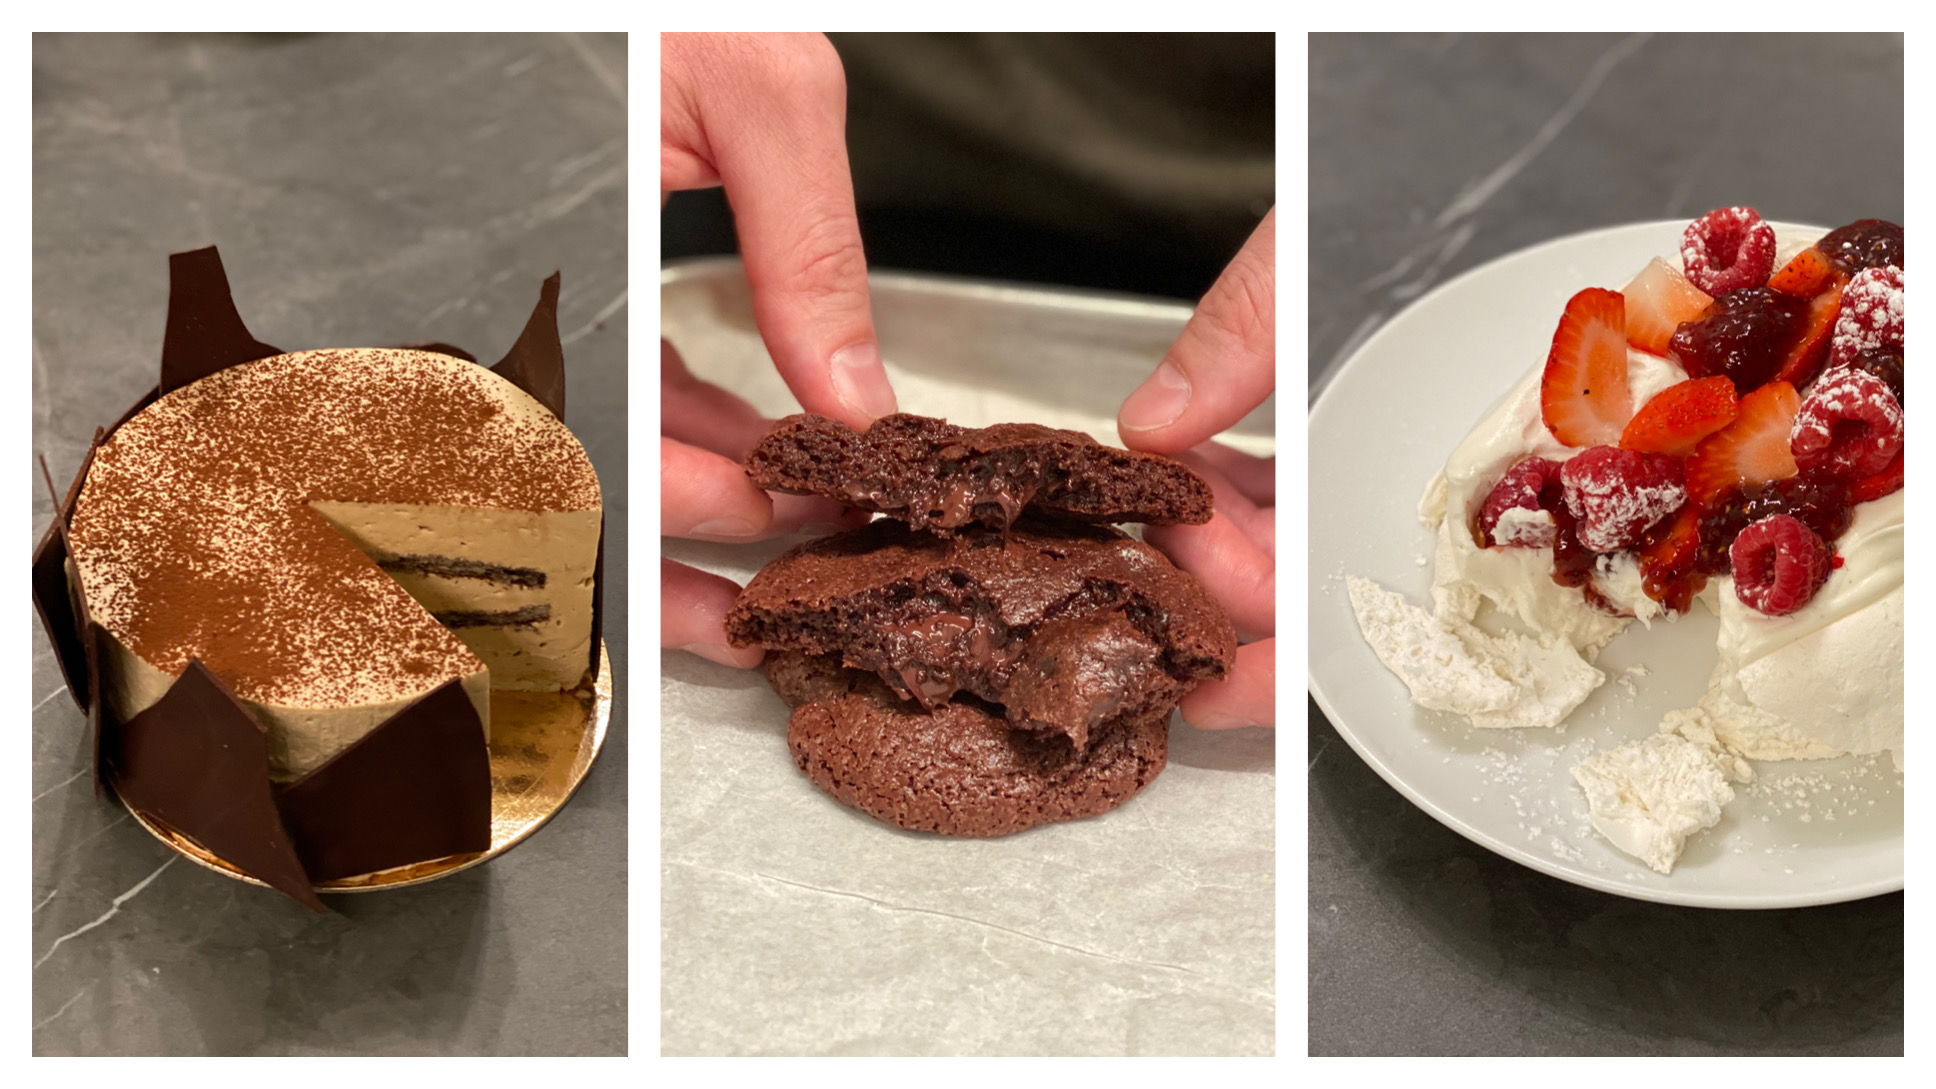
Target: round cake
[{"x": 334, "y": 535}]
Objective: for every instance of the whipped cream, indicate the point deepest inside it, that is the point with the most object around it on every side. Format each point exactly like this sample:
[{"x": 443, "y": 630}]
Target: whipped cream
[{"x": 1496, "y": 681}]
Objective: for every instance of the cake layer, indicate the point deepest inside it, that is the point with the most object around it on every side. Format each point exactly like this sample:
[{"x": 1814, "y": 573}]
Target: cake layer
[
  {"x": 514, "y": 586},
  {"x": 1065, "y": 626},
  {"x": 200, "y": 533},
  {"x": 940, "y": 477}
]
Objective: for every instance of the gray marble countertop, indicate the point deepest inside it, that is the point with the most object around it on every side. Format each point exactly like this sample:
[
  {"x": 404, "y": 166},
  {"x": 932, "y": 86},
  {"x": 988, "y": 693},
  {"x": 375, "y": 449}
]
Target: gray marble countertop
[
  {"x": 363, "y": 190},
  {"x": 1431, "y": 155}
]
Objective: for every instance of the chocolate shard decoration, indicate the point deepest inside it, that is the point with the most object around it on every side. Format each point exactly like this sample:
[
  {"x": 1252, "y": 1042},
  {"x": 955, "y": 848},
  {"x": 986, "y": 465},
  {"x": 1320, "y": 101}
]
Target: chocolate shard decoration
[
  {"x": 64, "y": 505},
  {"x": 54, "y": 600},
  {"x": 598, "y": 601},
  {"x": 98, "y": 723},
  {"x": 57, "y": 611},
  {"x": 57, "y": 614},
  {"x": 205, "y": 333},
  {"x": 536, "y": 363},
  {"x": 198, "y": 762},
  {"x": 416, "y": 788}
]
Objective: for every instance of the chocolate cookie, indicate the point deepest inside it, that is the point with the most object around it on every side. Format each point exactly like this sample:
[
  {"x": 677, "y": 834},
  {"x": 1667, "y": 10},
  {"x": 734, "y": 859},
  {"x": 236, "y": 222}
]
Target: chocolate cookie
[
  {"x": 936, "y": 476},
  {"x": 956, "y": 769},
  {"x": 1066, "y": 626}
]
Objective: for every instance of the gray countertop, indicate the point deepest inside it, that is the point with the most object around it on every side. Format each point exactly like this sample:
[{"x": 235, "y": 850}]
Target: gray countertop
[
  {"x": 363, "y": 190},
  {"x": 1431, "y": 155}
]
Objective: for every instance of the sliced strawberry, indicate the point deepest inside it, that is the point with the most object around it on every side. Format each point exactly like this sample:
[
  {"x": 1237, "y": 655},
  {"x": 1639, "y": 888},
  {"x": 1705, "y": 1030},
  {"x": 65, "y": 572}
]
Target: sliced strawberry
[
  {"x": 1751, "y": 450},
  {"x": 1667, "y": 557},
  {"x": 1810, "y": 351},
  {"x": 1805, "y": 275},
  {"x": 1583, "y": 396},
  {"x": 1658, "y": 300},
  {"x": 1886, "y": 482},
  {"x": 1680, "y": 416}
]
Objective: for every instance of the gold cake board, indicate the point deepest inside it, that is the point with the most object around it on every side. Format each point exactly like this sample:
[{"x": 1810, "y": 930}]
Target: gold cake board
[{"x": 542, "y": 747}]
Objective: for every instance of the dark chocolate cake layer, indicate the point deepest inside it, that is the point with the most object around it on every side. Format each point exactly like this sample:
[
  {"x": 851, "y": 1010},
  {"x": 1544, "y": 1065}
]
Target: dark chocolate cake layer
[
  {"x": 936, "y": 476},
  {"x": 1066, "y": 626},
  {"x": 958, "y": 769}
]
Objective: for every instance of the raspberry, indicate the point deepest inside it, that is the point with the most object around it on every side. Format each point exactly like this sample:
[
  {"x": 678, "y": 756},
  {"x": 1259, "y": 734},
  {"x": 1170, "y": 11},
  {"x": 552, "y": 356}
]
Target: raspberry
[
  {"x": 1616, "y": 494},
  {"x": 1519, "y": 490},
  {"x": 1850, "y": 424},
  {"x": 1728, "y": 249},
  {"x": 1778, "y": 565},
  {"x": 1871, "y": 315},
  {"x": 1819, "y": 500}
]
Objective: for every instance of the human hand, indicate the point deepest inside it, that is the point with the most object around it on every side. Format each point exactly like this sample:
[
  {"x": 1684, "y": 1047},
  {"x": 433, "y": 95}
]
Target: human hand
[
  {"x": 704, "y": 494},
  {"x": 1223, "y": 365},
  {"x": 765, "y": 116}
]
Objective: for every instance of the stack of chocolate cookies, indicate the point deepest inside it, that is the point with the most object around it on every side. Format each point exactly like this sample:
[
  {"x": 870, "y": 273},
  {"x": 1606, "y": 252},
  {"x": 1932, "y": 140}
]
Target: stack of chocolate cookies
[{"x": 992, "y": 654}]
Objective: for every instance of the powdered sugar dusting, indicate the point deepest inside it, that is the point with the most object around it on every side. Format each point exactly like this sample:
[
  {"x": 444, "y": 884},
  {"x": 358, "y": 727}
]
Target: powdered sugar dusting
[
  {"x": 194, "y": 536},
  {"x": 1871, "y": 316}
]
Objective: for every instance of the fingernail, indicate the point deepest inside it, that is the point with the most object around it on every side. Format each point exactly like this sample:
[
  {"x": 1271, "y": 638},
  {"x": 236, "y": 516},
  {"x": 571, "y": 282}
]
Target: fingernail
[
  {"x": 861, "y": 382},
  {"x": 724, "y": 655},
  {"x": 723, "y": 527},
  {"x": 1221, "y": 722},
  {"x": 1158, "y": 401}
]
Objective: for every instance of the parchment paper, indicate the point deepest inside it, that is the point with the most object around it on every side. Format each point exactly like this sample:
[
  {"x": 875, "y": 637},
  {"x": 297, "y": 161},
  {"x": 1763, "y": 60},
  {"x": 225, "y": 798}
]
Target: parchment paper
[{"x": 794, "y": 925}]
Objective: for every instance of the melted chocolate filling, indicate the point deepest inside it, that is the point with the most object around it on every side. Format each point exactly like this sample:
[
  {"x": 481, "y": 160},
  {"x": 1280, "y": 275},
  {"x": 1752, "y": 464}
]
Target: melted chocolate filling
[{"x": 1084, "y": 664}]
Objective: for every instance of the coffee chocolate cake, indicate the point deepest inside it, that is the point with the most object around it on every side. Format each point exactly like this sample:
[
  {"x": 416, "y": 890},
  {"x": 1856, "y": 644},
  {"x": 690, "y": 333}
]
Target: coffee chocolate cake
[
  {"x": 283, "y": 586},
  {"x": 936, "y": 476},
  {"x": 336, "y": 533}
]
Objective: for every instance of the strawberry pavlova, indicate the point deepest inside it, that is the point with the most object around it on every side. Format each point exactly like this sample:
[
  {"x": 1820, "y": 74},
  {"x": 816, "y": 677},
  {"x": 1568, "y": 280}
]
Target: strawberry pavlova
[{"x": 1726, "y": 428}]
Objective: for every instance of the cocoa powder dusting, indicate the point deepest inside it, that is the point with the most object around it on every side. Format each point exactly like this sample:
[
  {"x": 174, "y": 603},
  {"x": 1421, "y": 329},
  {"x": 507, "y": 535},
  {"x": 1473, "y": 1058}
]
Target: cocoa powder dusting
[{"x": 194, "y": 536}]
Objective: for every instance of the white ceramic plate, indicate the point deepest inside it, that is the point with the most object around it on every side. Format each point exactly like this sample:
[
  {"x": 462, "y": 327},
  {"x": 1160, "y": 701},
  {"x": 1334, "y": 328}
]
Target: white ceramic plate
[{"x": 1807, "y": 832}]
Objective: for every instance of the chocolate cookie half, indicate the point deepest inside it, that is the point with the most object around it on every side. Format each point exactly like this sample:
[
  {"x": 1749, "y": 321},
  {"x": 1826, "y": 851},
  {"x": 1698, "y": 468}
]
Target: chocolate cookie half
[
  {"x": 957, "y": 769},
  {"x": 939, "y": 477},
  {"x": 1066, "y": 626}
]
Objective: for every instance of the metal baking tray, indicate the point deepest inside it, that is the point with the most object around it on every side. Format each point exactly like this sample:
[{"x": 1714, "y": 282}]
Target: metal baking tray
[{"x": 1076, "y": 353}]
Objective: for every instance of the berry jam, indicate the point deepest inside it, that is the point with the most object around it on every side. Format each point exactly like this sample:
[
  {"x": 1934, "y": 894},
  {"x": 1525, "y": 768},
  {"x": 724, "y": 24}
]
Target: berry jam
[
  {"x": 1572, "y": 561},
  {"x": 1866, "y": 243},
  {"x": 1745, "y": 335},
  {"x": 1819, "y": 500},
  {"x": 1666, "y": 555}
]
